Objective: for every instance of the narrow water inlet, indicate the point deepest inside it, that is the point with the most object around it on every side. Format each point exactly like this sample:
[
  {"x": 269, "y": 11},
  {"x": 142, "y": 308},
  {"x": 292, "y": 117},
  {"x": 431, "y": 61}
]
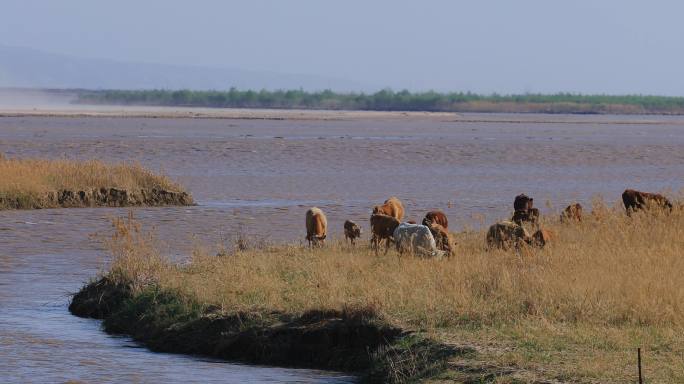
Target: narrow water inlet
[{"x": 40, "y": 341}]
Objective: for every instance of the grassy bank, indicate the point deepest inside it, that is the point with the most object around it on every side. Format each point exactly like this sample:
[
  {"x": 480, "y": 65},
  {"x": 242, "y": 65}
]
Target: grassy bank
[
  {"x": 387, "y": 100},
  {"x": 42, "y": 183},
  {"x": 573, "y": 311}
]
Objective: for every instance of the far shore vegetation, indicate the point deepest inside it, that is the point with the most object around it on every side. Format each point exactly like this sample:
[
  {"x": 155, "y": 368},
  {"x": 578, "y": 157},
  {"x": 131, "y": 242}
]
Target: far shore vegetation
[
  {"x": 388, "y": 100},
  {"x": 576, "y": 310},
  {"x": 27, "y": 183}
]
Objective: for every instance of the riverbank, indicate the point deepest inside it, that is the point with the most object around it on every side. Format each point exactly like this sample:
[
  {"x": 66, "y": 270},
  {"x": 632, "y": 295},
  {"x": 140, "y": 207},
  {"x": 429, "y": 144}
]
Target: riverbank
[
  {"x": 263, "y": 114},
  {"x": 349, "y": 340},
  {"x": 388, "y": 100},
  {"x": 161, "y": 112},
  {"x": 573, "y": 311},
  {"x": 42, "y": 183}
]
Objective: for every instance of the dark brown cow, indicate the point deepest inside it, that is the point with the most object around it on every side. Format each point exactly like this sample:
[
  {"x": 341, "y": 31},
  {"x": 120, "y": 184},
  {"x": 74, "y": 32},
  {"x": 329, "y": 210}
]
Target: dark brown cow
[
  {"x": 443, "y": 239},
  {"x": 531, "y": 215},
  {"x": 524, "y": 210},
  {"x": 572, "y": 212},
  {"x": 382, "y": 228},
  {"x": 636, "y": 200},
  {"x": 352, "y": 231},
  {"x": 522, "y": 202},
  {"x": 392, "y": 207},
  {"x": 436, "y": 217}
]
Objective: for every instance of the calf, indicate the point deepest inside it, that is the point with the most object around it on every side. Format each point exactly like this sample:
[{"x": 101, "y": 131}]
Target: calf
[{"x": 352, "y": 231}]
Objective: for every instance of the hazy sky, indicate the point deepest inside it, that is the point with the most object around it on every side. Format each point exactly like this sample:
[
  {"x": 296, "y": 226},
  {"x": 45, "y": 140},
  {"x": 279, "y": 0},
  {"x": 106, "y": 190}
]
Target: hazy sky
[{"x": 506, "y": 46}]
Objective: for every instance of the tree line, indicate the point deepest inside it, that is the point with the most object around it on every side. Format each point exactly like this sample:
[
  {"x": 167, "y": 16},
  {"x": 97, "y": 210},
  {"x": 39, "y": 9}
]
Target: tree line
[{"x": 389, "y": 100}]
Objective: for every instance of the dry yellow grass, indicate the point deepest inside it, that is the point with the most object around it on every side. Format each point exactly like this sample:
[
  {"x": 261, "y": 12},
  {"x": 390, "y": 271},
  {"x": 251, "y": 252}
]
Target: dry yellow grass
[
  {"x": 576, "y": 309},
  {"x": 25, "y": 182},
  {"x": 42, "y": 175}
]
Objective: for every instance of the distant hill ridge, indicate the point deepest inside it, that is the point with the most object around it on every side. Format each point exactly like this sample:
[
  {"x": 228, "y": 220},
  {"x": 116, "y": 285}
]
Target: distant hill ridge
[{"x": 30, "y": 68}]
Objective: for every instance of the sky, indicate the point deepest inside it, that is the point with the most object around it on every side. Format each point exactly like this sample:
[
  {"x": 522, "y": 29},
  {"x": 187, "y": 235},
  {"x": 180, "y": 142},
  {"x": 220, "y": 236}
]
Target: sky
[{"x": 486, "y": 46}]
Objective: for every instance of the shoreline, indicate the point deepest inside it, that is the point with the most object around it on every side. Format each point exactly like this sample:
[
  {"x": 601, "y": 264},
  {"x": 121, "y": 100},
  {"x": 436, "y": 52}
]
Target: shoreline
[
  {"x": 98, "y": 197},
  {"x": 35, "y": 183},
  {"x": 162, "y": 112},
  {"x": 351, "y": 341}
]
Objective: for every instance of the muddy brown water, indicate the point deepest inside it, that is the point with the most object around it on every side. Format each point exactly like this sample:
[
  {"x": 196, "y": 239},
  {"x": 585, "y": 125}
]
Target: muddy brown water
[{"x": 258, "y": 177}]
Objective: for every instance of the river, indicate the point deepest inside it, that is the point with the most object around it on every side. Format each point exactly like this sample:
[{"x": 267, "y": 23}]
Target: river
[{"x": 257, "y": 177}]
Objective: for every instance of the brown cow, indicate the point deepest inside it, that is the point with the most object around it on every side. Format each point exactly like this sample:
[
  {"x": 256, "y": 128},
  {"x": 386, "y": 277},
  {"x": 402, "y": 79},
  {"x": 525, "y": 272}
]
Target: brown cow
[
  {"x": 531, "y": 215},
  {"x": 522, "y": 202},
  {"x": 316, "y": 226},
  {"x": 392, "y": 207},
  {"x": 524, "y": 210},
  {"x": 542, "y": 237},
  {"x": 443, "y": 239},
  {"x": 505, "y": 234},
  {"x": 382, "y": 228},
  {"x": 351, "y": 231},
  {"x": 436, "y": 217},
  {"x": 636, "y": 200},
  {"x": 572, "y": 212}
]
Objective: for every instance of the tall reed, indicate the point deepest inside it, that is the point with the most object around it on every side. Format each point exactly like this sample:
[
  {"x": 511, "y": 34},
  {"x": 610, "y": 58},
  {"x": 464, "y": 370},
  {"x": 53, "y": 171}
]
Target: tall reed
[
  {"x": 608, "y": 270},
  {"x": 43, "y": 175},
  {"x": 28, "y": 183}
]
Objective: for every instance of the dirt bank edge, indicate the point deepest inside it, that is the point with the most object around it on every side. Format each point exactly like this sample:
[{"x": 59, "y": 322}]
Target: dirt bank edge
[
  {"x": 350, "y": 341},
  {"x": 96, "y": 197}
]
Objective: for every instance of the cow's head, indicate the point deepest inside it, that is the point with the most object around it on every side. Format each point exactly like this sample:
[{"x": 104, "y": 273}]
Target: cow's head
[{"x": 522, "y": 202}]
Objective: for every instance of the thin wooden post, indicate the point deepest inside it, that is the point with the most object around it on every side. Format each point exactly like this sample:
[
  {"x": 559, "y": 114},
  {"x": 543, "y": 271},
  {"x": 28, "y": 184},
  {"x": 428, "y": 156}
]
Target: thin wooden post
[{"x": 641, "y": 380}]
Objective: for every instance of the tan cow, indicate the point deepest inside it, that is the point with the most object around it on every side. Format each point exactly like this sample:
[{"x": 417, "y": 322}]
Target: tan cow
[
  {"x": 392, "y": 207},
  {"x": 316, "y": 226}
]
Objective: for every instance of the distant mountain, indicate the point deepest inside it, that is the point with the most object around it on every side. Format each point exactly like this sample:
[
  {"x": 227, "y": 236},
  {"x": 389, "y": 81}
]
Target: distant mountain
[{"x": 25, "y": 67}]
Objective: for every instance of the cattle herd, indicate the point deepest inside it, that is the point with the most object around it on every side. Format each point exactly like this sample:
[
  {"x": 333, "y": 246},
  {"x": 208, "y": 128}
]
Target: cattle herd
[{"x": 432, "y": 237}]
